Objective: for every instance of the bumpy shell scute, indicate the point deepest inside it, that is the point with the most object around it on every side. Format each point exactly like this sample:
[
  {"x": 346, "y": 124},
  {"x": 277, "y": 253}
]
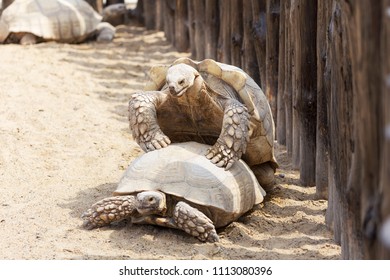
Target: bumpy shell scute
[
  {"x": 182, "y": 170},
  {"x": 64, "y": 21}
]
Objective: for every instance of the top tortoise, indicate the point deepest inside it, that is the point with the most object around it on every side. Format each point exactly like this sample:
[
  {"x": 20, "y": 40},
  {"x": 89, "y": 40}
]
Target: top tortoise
[
  {"x": 67, "y": 21},
  {"x": 207, "y": 102}
]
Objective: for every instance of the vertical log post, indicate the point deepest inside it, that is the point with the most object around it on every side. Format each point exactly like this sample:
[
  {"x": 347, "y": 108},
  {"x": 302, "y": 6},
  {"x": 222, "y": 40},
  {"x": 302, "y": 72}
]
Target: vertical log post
[
  {"x": 296, "y": 80},
  {"x": 211, "y": 28},
  {"x": 307, "y": 94},
  {"x": 149, "y": 14},
  {"x": 281, "y": 108},
  {"x": 249, "y": 59},
  {"x": 224, "y": 40},
  {"x": 272, "y": 52},
  {"x": 322, "y": 155},
  {"x": 199, "y": 20},
  {"x": 236, "y": 30},
  {"x": 260, "y": 33},
  {"x": 169, "y": 20},
  {"x": 181, "y": 28},
  {"x": 287, "y": 96}
]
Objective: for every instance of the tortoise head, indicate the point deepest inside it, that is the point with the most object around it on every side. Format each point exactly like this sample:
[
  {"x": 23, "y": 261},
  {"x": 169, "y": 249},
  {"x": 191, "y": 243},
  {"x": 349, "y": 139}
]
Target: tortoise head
[
  {"x": 151, "y": 202},
  {"x": 180, "y": 78}
]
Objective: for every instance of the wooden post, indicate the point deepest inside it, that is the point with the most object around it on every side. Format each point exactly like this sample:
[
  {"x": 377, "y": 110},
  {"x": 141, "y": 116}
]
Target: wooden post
[
  {"x": 370, "y": 87},
  {"x": 341, "y": 106},
  {"x": 159, "y": 14},
  {"x": 307, "y": 94},
  {"x": 149, "y": 14},
  {"x": 295, "y": 79},
  {"x": 272, "y": 52},
  {"x": 249, "y": 59},
  {"x": 384, "y": 250},
  {"x": 287, "y": 96},
  {"x": 260, "y": 32},
  {"x": 323, "y": 87},
  {"x": 169, "y": 20},
  {"x": 199, "y": 20},
  {"x": 211, "y": 29},
  {"x": 236, "y": 30},
  {"x": 191, "y": 27},
  {"x": 281, "y": 108},
  {"x": 224, "y": 40},
  {"x": 181, "y": 28}
]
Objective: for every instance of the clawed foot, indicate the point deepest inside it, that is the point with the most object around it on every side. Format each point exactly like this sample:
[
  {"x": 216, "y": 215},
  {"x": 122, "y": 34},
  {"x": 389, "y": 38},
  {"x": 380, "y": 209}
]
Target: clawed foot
[
  {"x": 153, "y": 140},
  {"x": 222, "y": 156}
]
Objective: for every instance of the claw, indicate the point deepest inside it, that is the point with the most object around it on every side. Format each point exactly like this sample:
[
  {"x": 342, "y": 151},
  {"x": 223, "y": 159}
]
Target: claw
[
  {"x": 221, "y": 163},
  {"x": 209, "y": 154},
  {"x": 156, "y": 144},
  {"x": 150, "y": 147},
  {"x": 229, "y": 164},
  {"x": 216, "y": 159}
]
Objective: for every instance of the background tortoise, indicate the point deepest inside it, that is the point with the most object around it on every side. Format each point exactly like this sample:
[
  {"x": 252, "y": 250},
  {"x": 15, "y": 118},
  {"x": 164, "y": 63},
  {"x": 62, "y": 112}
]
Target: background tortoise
[
  {"x": 178, "y": 187},
  {"x": 207, "y": 102},
  {"x": 68, "y": 21}
]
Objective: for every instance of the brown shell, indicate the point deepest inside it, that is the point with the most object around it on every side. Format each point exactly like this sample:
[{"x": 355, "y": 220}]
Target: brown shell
[
  {"x": 182, "y": 171},
  {"x": 260, "y": 148},
  {"x": 59, "y": 20}
]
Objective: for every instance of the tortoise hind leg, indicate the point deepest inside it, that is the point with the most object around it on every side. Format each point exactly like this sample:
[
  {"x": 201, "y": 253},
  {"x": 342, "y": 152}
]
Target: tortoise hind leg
[
  {"x": 109, "y": 210},
  {"x": 188, "y": 219},
  {"x": 265, "y": 174}
]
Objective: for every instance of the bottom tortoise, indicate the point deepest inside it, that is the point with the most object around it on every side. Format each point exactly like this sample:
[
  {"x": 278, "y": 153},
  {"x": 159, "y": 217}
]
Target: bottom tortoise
[{"x": 177, "y": 187}]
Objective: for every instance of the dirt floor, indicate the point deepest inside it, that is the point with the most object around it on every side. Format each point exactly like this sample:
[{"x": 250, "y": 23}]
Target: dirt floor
[{"x": 65, "y": 143}]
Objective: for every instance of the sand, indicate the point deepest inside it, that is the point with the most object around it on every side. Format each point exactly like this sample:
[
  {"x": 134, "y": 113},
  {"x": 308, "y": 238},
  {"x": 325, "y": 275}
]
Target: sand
[{"x": 65, "y": 143}]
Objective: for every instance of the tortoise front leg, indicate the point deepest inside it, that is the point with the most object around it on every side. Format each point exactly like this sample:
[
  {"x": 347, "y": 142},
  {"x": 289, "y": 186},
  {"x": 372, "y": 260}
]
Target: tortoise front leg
[
  {"x": 194, "y": 222},
  {"x": 186, "y": 218},
  {"x": 109, "y": 210},
  {"x": 143, "y": 120},
  {"x": 231, "y": 143}
]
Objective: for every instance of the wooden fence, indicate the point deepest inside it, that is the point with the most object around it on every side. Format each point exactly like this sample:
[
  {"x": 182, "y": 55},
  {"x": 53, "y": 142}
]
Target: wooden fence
[{"x": 325, "y": 68}]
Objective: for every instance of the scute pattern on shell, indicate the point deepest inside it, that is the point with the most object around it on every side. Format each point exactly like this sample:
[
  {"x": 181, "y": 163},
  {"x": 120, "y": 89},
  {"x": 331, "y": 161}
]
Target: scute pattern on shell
[
  {"x": 59, "y": 20},
  {"x": 261, "y": 125},
  {"x": 182, "y": 170}
]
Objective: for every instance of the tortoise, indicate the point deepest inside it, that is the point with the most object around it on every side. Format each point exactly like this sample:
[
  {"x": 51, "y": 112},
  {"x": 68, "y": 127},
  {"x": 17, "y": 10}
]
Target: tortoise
[
  {"x": 207, "y": 102},
  {"x": 67, "y": 21},
  {"x": 177, "y": 187}
]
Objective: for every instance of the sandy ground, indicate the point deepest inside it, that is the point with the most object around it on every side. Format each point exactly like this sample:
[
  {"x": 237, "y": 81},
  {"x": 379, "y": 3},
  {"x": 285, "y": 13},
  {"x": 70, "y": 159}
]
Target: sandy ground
[{"x": 65, "y": 143}]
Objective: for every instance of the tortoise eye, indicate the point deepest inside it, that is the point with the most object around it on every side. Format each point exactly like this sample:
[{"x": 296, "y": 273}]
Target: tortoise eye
[{"x": 151, "y": 199}]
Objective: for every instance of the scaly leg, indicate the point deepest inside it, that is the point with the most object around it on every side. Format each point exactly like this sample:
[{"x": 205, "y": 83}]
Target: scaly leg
[
  {"x": 143, "y": 120},
  {"x": 109, "y": 210},
  {"x": 231, "y": 144},
  {"x": 194, "y": 222},
  {"x": 185, "y": 218}
]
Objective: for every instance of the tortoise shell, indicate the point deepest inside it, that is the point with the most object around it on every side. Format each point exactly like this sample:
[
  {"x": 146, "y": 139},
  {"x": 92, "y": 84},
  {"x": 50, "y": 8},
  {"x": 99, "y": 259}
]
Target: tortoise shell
[
  {"x": 60, "y": 20},
  {"x": 217, "y": 75},
  {"x": 183, "y": 173}
]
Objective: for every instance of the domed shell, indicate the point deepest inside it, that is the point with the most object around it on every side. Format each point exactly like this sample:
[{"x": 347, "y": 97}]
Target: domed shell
[
  {"x": 260, "y": 148},
  {"x": 182, "y": 170},
  {"x": 60, "y": 20}
]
